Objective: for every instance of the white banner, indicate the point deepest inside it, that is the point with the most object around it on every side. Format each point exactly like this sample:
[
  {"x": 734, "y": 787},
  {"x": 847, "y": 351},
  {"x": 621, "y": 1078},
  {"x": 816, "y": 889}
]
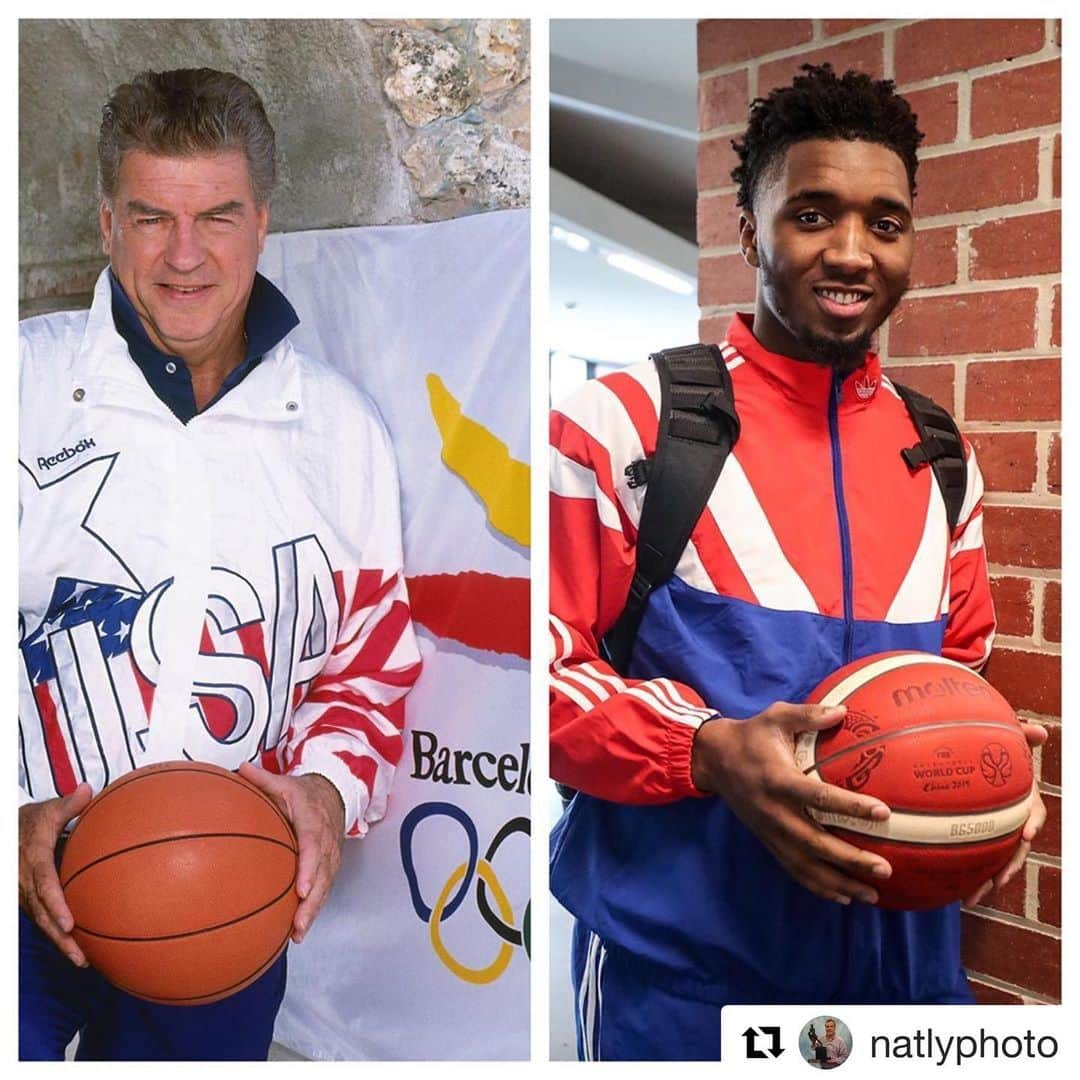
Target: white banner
[{"x": 422, "y": 951}]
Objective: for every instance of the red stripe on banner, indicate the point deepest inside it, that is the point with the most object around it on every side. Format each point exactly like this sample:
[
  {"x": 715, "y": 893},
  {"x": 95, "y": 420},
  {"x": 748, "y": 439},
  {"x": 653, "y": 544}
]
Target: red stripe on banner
[
  {"x": 54, "y": 741},
  {"x": 483, "y": 611}
]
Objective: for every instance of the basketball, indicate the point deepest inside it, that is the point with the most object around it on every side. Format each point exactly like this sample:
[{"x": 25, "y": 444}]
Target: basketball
[
  {"x": 944, "y": 750},
  {"x": 181, "y": 880}
]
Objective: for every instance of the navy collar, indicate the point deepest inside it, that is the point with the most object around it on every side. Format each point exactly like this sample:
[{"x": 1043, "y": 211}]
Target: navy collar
[{"x": 269, "y": 318}]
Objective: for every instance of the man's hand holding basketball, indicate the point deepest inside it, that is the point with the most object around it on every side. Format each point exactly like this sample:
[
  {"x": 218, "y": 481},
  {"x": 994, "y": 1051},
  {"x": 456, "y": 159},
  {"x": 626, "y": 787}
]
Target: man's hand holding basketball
[
  {"x": 40, "y": 894},
  {"x": 1036, "y": 735},
  {"x": 751, "y": 765},
  {"x": 313, "y": 806}
]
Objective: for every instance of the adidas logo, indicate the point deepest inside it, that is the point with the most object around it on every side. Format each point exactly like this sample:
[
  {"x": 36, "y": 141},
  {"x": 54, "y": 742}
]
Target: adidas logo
[{"x": 865, "y": 387}]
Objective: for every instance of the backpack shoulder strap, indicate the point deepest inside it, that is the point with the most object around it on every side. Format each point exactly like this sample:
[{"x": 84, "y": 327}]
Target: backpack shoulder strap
[
  {"x": 698, "y": 428},
  {"x": 940, "y": 446}
]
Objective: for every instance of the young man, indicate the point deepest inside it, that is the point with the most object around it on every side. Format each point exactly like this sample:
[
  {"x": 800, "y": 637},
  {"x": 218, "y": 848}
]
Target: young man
[
  {"x": 688, "y": 858},
  {"x": 211, "y": 559}
]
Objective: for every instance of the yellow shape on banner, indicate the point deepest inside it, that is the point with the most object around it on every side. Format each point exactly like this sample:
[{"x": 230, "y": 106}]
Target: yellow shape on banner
[
  {"x": 479, "y": 976},
  {"x": 483, "y": 461}
]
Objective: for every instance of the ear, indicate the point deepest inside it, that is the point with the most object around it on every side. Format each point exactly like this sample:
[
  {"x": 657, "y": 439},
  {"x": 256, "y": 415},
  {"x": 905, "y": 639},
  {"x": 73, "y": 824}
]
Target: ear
[
  {"x": 262, "y": 222},
  {"x": 748, "y": 239},
  {"x": 105, "y": 220}
]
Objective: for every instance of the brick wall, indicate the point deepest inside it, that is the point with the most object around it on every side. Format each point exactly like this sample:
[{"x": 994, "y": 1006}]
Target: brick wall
[{"x": 980, "y": 331}]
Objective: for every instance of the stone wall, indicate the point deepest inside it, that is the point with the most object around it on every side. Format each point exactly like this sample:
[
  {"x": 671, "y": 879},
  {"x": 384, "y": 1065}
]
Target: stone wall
[{"x": 378, "y": 122}]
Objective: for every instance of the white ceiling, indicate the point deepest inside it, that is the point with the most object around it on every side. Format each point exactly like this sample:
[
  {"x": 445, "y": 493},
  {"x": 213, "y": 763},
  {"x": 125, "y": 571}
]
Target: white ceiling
[
  {"x": 659, "y": 52},
  {"x": 624, "y": 142}
]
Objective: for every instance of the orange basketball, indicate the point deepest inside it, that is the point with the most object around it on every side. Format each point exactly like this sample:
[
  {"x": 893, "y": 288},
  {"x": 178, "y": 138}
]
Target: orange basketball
[
  {"x": 944, "y": 750},
  {"x": 181, "y": 878}
]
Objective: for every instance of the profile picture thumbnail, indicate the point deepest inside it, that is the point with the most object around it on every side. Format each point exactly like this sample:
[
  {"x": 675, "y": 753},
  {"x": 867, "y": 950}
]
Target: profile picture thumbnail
[{"x": 825, "y": 1042}]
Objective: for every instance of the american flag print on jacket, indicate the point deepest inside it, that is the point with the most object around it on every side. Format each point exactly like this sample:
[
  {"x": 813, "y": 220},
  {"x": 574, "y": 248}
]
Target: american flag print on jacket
[
  {"x": 228, "y": 590},
  {"x": 818, "y": 546}
]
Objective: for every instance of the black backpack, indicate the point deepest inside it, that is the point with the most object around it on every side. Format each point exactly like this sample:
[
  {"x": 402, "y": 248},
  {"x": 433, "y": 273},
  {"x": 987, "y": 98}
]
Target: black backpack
[{"x": 698, "y": 428}]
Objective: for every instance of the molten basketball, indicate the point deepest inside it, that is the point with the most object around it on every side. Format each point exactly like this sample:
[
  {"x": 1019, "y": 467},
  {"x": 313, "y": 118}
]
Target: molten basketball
[
  {"x": 944, "y": 750},
  {"x": 181, "y": 880}
]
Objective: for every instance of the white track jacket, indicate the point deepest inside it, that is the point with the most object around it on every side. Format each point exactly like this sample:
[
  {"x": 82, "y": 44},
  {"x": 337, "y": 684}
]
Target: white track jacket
[{"x": 227, "y": 591}]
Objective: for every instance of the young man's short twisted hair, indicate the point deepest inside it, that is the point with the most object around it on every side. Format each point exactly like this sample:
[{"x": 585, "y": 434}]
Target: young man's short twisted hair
[
  {"x": 823, "y": 105},
  {"x": 184, "y": 112}
]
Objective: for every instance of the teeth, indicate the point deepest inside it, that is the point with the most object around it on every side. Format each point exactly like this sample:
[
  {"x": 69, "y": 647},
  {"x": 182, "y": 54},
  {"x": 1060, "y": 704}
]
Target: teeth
[{"x": 842, "y": 297}]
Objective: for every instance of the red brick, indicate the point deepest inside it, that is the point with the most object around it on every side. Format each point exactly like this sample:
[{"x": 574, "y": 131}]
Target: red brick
[
  {"x": 835, "y": 27},
  {"x": 1029, "y": 681},
  {"x": 723, "y": 99},
  {"x": 1055, "y": 318},
  {"x": 968, "y": 323},
  {"x": 713, "y": 329},
  {"x": 718, "y": 221},
  {"x": 1057, "y": 166},
  {"x": 935, "y": 258},
  {"x": 726, "y": 41},
  {"x": 991, "y": 995},
  {"x": 1013, "y": 954},
  {"x": 1050, "y": 770},
  {"x": 1014, "y": 389},
  {"x": 935, "y": 380},
  {"x": 1012, "y": 100},
  {"x": 1050, "y": 895},
  {"x": 1013, "y": 605},
  {"x": 1051, "y": 627},
  {"x": 1053, "y": 466},
  {"x": 725, "y": 279},
  {"x": 935, "y": 46},
  {"x": 1016, "y": 246},
  {"x": 1023, "y": 536},
  {"x": 1007, "y": 459},
  {"x": 716, "y": 158},
  {"x": 935, "y": 109},
  {"x": 977, "y": 179},
  {"x": 1048, "y": 842},
  {"x": 861, "y": 54},
  {"x": 1011, "y": 898}
]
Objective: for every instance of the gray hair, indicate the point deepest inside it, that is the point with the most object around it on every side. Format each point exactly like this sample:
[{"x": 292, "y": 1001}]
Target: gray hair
[{"x": 185, "y": 112}]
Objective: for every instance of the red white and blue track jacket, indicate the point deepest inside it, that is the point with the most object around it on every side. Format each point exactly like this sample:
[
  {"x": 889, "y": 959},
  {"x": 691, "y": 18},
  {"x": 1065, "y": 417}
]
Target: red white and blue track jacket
[
  {"x": 818, "y": 546},
  {"x": 227, "y": 590}
]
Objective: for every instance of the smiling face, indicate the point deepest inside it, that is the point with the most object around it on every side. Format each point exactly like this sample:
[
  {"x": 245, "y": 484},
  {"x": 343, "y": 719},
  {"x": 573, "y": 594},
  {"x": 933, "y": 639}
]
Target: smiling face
[
  {"x": 832, "y": 239},
  {"x": 830, "y": 1029},
  {"x": 183, "y": 236}
]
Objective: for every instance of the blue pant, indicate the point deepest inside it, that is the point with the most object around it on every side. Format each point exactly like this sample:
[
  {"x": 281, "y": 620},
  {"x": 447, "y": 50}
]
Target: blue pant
[
  {"x": 628, "y": 1010},
  {"x": 58, "y": 1000},
  {"x": 621, "y": 1013}
]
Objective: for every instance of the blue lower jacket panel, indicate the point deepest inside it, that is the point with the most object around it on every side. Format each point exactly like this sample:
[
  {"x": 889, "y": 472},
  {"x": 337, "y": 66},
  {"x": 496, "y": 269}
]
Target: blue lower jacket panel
[{"x": 687, "y": 889}]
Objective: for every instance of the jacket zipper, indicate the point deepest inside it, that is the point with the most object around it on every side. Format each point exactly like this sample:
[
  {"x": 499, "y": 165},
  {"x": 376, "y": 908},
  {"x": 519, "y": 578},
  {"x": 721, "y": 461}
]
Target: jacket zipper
[{"x": 841, "y": 514}]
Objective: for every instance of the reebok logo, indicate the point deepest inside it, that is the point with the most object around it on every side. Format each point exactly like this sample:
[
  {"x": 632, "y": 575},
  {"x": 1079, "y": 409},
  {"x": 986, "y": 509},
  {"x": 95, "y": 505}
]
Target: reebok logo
[{"x": 65, "y": 454}]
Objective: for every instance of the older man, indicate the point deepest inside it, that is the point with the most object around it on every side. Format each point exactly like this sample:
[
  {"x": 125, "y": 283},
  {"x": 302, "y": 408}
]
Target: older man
[{"x": 211, "y": 547}]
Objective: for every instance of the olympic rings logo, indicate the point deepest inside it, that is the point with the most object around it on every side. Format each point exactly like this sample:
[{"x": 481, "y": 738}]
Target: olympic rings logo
[{"x": 453, "y": 893}]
